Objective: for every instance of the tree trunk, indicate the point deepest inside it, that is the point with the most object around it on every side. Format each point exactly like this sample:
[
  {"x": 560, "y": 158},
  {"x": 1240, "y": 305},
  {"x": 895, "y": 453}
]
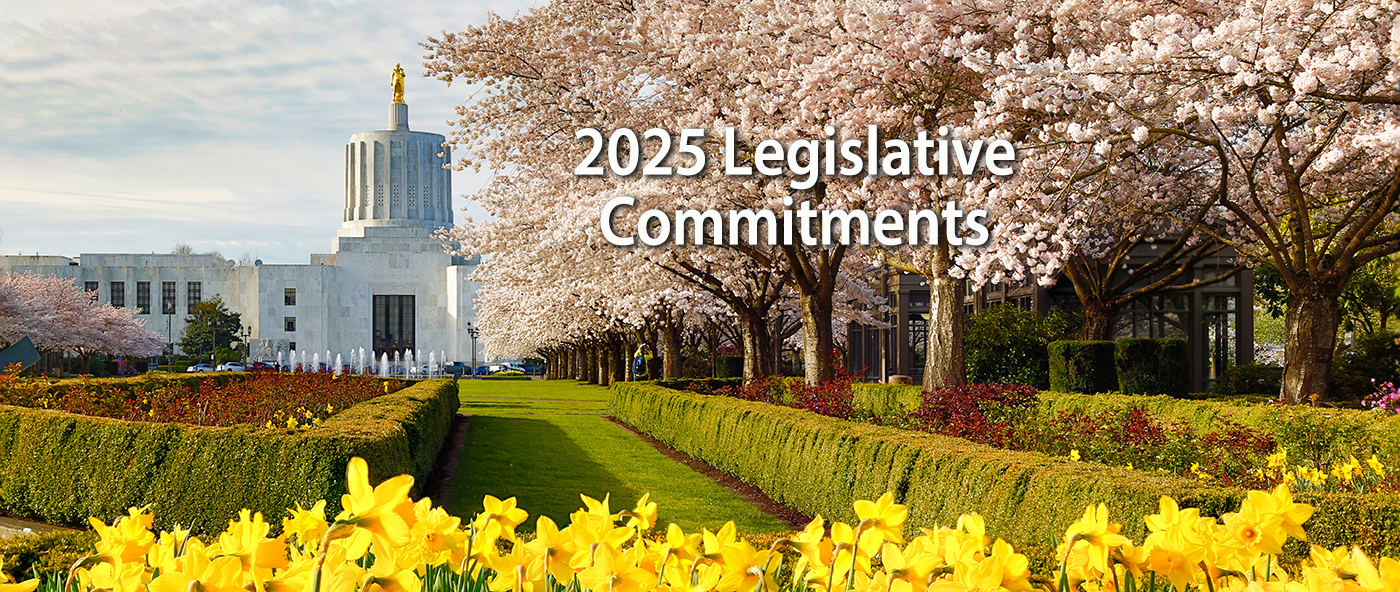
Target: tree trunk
[
  {"x": 601, "y": 358},
  {"x": 670, "y": 344},
  {"x": 1099, "y": 317},
  {"x": 1311, "y": 327},
  {"x": 816, "y": 336},
  {"x": 758, "y": 346},
  {"x": 943, "y": 362},
  {"x": 618, "y": 345}
]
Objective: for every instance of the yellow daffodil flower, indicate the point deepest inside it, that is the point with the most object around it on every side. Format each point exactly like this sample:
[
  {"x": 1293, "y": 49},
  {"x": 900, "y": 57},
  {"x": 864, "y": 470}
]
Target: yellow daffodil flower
[{"x": 382, "y": 515}]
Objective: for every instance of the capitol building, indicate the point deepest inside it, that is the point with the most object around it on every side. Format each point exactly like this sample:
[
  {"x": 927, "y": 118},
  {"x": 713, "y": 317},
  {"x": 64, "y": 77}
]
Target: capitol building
[{"x": 387, "y": 284}]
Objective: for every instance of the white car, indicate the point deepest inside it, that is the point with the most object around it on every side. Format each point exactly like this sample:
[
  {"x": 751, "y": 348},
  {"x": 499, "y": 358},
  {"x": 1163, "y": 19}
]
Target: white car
[
  {"x": 200, "y": 368},
  {"x": 230, "y": 367}
]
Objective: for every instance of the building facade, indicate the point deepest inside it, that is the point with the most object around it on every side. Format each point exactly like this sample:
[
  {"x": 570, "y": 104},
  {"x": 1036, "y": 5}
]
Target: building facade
[
  {"x": 387, "y": 284},
  {"x": 1216, "y": 320}
]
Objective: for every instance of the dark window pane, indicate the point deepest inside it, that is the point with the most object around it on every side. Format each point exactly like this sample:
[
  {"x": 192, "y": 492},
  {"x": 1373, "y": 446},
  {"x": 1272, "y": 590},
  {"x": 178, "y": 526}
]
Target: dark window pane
[
  {"x": 143, "y": 297},
  {"x": 167, "y": 298},
  {"x": 119, "y": 294},
  {"x": 194, "y": 294}
]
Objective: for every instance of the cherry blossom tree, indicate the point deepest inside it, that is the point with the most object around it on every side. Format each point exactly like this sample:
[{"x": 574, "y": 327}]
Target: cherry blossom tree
[
  {"x": 60, "y": 317},
  {"x": 1290, "y": 107}
]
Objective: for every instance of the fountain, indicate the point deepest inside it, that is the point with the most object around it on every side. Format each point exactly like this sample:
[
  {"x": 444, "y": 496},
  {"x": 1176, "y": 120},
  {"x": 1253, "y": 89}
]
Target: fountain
[
  {"x": 279, "y": 361},
  {"x": 432, "y": 364},
  {"x": 408, "y": 368},
  {"x": 328, "y": 358},
  {"x": 316, "y": 362},
  {"x": 292, "y": 362},
  {"x": 384, "y": 364},
  {"x": 336, "y": 371}
]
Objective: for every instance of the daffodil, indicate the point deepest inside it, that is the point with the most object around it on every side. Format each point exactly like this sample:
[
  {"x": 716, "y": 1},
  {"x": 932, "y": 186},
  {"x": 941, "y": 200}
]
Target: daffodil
[
  {"x": 107, "y": 577},
  {"x": 8, "y": 584},
  {"x": 307, "y": 525},
  {"x": 499, "y": 518},
  {"x": 616, "y": 571},
  {"x": 1097, "y": 535},
  {"x": 246, "y": 539},
  {"x": 518, "y": 570},
  {"x": 745, "y": 568},
  {"x": 643, "y": 516},
  {"x": 128, "y": 539},
  {"x": 883, "y": 516},
  {"x": 554, "y": 547},
  {"x": 382, "y": 515}
]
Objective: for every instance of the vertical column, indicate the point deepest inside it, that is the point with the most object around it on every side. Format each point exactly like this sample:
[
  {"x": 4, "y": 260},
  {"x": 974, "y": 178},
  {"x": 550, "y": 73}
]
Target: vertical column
[{"x": 349, "y": 213}]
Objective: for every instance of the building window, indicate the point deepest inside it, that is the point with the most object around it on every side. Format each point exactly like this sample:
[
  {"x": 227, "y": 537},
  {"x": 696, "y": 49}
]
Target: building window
[
  {"x": 143, "y": 297},
  {"x": 91, "y": 289},
  {"x": 291, "y": 346},
  {"x": 289, "y": 297},
  {"x": 167, "y": 298},
  {"x": 119, "y": 294},
  {"x": 290, "y": 324},
  {"x": 393, "y": 323},
  {"x": 194, "y": 294}
]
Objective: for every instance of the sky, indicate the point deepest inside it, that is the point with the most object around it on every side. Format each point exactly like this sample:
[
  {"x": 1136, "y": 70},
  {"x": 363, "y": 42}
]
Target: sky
[{"x": 133, "y": 126}]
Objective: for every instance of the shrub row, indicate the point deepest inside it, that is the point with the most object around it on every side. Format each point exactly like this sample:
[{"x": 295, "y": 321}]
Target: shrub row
[
  {"x": 1319, "y": 427},
  {"x": 820, "y": 465},
  {"x": 1131, "y": 366},
  {"x": 63, "y": 468}
]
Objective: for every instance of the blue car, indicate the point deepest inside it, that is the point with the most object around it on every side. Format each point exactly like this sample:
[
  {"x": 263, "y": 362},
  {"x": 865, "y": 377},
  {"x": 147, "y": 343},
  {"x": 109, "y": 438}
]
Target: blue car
[{"x": 483, "y": 370}]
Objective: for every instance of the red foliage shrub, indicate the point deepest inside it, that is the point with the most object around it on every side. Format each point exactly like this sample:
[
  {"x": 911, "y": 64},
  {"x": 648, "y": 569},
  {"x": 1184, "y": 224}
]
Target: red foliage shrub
[
  {"x": 284, "y": 400},
  {"x": 979, "y": 412}
]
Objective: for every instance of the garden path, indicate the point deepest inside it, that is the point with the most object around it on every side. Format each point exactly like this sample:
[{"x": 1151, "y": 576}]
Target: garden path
[{"x": 545, "y": 442}]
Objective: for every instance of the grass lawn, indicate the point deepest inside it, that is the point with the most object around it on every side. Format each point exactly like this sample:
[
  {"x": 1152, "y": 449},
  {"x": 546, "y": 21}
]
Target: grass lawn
[{"x": 545, "y": 442}]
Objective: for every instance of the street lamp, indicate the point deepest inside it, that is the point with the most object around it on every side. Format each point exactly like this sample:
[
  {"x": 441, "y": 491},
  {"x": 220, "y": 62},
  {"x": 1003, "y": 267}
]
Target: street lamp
[
  {"x": 243, "y": 334},
  {"x": 473, "y": 331}
]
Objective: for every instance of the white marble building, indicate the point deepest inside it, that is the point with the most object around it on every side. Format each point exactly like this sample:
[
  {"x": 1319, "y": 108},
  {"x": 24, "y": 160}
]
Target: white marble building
[{"x": 387, "y": 283}]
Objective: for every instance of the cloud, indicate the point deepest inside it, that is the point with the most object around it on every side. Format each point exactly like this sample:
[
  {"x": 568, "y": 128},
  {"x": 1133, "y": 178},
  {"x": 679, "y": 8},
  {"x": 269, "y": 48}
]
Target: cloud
[{"x": 133, "y": 126}]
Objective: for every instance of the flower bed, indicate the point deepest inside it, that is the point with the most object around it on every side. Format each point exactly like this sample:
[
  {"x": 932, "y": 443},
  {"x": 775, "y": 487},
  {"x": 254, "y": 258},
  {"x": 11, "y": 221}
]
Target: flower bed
[
  {"x": 384, "y": 542},
  {"x": 819, "y": 465},
  {"x": 1310, "y": 449},
  {"x": 260, "y": 398},
  {"x": 61, "y": 467}
]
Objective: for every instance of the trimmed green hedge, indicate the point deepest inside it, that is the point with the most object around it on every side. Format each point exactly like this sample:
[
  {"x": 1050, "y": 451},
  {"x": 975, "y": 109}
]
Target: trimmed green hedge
[
  {"x": 821, "y": 465},
  {"x": 1082, "y": 366},
  {"x": 885, "y": 400},
  {"x": 62, "y": 468},
  {"x": 1250, "y": 379},
  {"x": 681, "y": 384},
  {"x": 729, "y": 367},
  {"x": 1152, "y": 366}
]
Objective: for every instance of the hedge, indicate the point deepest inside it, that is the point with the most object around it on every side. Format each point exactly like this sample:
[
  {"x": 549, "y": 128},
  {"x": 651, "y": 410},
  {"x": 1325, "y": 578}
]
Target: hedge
[
  {"x": 1082, "y": 366},
  {"x": 1324, "y": 426},
  {"x": 729, "y": 367},
  {"x": 1250, "y": 379},
  {"x": 821, "y": 465},
  {"x": 1152, "y": 366},
  {"x": 62, "y": 468}
]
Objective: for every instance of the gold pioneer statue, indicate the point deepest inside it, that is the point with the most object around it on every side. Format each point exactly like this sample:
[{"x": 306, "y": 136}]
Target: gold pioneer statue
[{"x": 398, "y": 83}]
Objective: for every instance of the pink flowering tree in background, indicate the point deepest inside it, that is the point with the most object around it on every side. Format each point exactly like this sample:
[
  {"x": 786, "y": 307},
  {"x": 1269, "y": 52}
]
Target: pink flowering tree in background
[
  {"x": 1291, "y": 109},
  {"x": 60, "y": 317}
]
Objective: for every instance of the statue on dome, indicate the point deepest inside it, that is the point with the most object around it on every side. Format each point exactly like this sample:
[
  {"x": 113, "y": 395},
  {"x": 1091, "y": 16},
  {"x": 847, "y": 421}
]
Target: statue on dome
[{"x": 398, "y": 83}]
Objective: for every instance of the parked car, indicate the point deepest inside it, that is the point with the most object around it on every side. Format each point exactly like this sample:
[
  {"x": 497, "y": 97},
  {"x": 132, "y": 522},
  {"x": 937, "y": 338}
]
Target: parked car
[
  {"x": 483, "y": 370},
  {"x": 231, "y": 367},
  {"x": 456, "y": 369},
  {"x": 262, "y": 367},
  {"x": 200, "y": 368},
  {"x": 532, "y": 369}
]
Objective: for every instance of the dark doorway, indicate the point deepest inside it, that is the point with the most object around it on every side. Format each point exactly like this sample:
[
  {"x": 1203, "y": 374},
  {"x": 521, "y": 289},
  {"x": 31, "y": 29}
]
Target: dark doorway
[{"x": 393, "y": 324}]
